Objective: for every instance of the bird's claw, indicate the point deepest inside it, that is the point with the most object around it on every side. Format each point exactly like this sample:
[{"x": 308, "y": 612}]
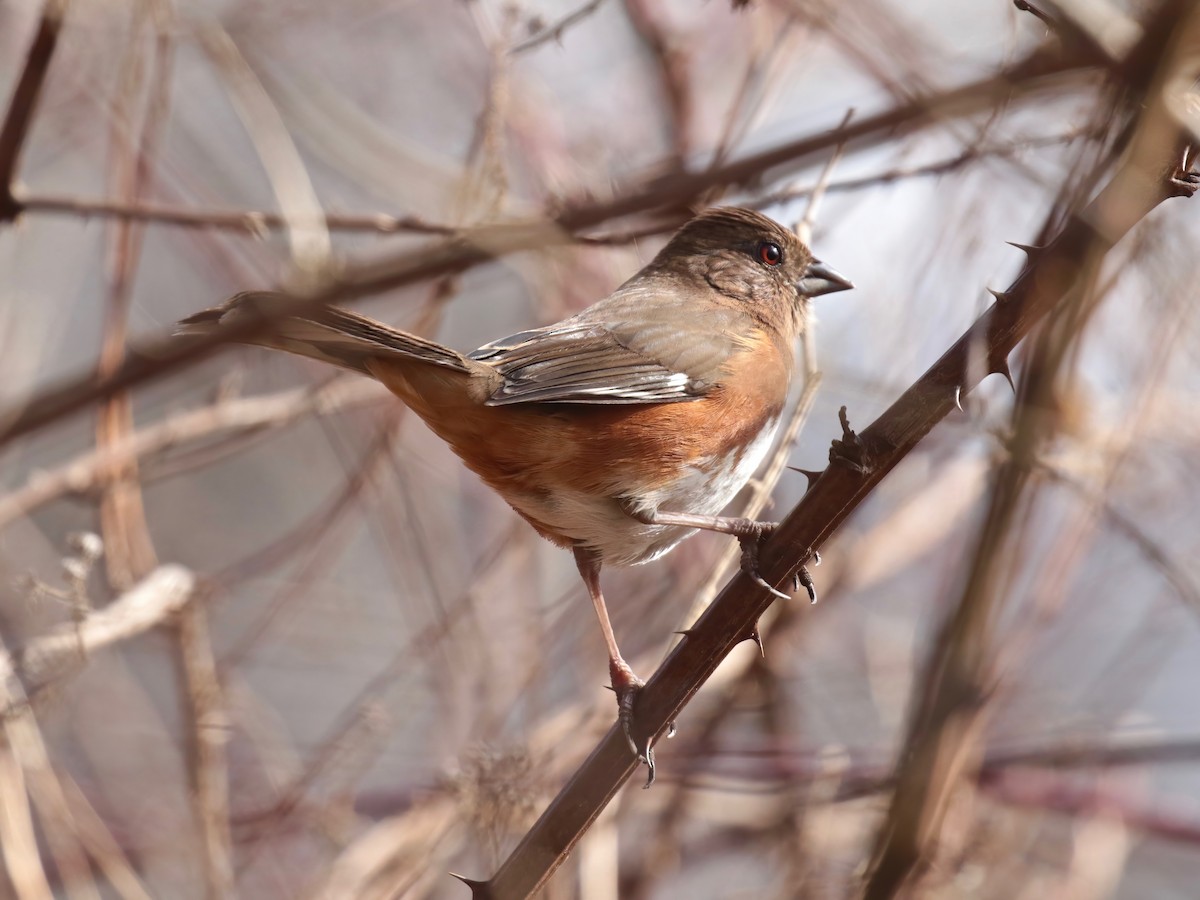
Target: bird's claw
[
  {"x": 628, "y": 687},
  {"x": 1183, "y": 184},
  {"x": 802, "y": 579},
  {"x": 751, "y": 543}
]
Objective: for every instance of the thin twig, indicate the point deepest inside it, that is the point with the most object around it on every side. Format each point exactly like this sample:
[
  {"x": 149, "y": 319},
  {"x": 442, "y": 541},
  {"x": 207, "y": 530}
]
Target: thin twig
[
  {"x": 926, "y": 170},
  {"x": 555, "y": 32},
  {"x": 24, "y": 101},
  {"x": 239, "y": 416},
  {"x": 254, "y": 222},
  {"x": 672, "y": 63},
  {"x": 208, "y": 724},
  {"x": 307, "y": 236},
  {"x": 129, "y": 548}
]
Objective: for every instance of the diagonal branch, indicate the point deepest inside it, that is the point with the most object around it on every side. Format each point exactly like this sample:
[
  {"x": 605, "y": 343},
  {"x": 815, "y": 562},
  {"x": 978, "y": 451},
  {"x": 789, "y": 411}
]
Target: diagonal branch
[
  {"x": 1052, "y": 274},
  {"x": 24, "y": 101}
]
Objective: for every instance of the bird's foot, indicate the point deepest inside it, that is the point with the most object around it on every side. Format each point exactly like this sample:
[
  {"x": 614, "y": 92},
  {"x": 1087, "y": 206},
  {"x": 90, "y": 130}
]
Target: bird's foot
[
  {"x": 628, "y": 687},
  {"x": 1183, "y": 183},
  {"x": 849, "y": 451},
  {"x": 751, "y": 541}
]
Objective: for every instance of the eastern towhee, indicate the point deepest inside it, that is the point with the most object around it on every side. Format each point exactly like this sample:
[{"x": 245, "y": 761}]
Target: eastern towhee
[{"x": 618, "y": 431}]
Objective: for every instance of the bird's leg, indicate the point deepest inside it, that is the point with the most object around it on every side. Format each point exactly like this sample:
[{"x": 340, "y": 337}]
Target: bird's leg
[
  {"x": 750, "y": 535},
  {"x": 625, "y": 684}
]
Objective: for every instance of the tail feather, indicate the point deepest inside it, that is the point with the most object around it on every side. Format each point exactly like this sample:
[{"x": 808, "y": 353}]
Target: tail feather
[{"x": 330, "y": 335}]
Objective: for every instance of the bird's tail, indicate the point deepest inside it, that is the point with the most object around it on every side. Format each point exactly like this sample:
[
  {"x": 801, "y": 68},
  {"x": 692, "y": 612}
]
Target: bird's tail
[{"x": 329, "y": 334}]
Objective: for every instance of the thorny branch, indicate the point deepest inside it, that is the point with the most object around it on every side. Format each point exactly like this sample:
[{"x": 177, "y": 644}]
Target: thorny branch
[{"x": 1051, "y": 275}]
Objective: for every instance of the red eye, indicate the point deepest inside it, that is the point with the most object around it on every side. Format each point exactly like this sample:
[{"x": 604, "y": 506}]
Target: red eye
[{"x": 769, "y": 253}]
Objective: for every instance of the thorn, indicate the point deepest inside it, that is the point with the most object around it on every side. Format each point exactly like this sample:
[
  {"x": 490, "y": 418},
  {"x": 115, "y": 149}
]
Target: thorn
[
  {"x": 1001, "y": 368},
  {"x": 809, "y": 474},
  {"x": 670, "y": 729},
  {"x": 755, "y": 636},
  {"x": 816, "y": 559},
  {"x": 1000, "y": 296},
  {"x": 686, "y": 632},
  {"x": 1027, "y": 249},
  {"x": 480, "y": 890},
  {"x": 958, "y": 397}
]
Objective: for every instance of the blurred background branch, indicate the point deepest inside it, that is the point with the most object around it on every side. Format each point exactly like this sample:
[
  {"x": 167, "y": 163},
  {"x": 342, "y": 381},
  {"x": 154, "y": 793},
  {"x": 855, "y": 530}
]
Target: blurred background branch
[{"x": 383, "y": 675}]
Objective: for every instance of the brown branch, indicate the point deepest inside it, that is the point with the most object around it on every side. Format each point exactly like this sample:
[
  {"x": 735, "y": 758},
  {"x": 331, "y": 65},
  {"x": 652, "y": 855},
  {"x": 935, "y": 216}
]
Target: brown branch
[
  {"x": 129, "y": 549},
  {"x": 239, "y": 416},
  {"x": 474, "y": 246},
  {"x": 24, "y": 101},
  {"x": 208, "y": 727},
  {"x": 672, "y": 64},
  {"x": 253, "y": 222},
  {"x": 100, "y": 844},
  {"x": 926, "y": 170},
  {"x": 1050, "y": 276},
  {"x": 1174, "y": 571}
]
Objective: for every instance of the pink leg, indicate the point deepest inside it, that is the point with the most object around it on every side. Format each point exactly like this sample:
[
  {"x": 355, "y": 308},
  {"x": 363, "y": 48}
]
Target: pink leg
[{"x": 625, "y": 683}]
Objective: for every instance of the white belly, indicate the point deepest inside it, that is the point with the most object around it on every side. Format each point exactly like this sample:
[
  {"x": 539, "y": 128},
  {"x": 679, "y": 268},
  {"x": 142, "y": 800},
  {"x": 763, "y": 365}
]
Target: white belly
[{"x": 602, "y": 522}]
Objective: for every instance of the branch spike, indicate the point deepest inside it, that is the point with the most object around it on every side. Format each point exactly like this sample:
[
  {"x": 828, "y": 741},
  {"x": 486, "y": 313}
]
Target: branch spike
[
  {"x": 1027, "y": 249},
  {"x": 480, "y": 890},
  {"x": 1000, "y": 367},
  {"x": 958, "y": 397},
  {"x": 811, "y": 475},
  {"x": 754, "y": 635},
  {"x": 1000, "y": 296}
]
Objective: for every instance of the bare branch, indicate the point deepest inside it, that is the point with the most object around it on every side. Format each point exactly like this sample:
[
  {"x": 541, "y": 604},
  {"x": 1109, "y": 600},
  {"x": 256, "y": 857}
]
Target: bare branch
[
  {"x": 241, "y": 415},
  {"x": 147, "y": 605},
  {"x": 254, "y": 222},
  {"x": 208, "y": 723},
  {"x": 478, "y": 245},
  {"x": 555, "y": 32},
  {"x": 24, "y": 101}
]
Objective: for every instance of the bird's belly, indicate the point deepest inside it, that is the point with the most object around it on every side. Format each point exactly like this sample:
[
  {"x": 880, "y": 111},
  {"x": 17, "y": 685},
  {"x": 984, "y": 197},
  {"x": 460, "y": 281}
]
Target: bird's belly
[{"x": 604, "y": 523}]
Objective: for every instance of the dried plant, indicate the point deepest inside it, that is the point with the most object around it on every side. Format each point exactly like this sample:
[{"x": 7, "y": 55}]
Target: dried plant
[{"x": 262, "y": 636}]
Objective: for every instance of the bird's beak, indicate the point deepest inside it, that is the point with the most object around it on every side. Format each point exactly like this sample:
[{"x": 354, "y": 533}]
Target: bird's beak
[{"x": 820, "y": 279}]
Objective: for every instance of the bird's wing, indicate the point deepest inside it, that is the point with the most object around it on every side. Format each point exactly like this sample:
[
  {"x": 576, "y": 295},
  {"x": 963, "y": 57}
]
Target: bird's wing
[{"x": 623, "y": 353}]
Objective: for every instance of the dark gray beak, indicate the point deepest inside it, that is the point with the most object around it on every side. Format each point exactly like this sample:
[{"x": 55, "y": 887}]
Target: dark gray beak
[{"x": 820, "y": 279}]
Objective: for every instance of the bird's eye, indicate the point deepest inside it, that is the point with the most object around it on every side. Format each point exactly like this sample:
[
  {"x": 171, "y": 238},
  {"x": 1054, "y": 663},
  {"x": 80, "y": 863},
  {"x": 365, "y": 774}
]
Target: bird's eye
[{"x": 770, "y": 253}]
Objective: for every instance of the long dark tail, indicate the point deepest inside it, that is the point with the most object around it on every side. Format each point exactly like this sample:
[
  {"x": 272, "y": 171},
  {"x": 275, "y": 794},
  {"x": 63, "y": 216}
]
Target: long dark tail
[{"x": 331, "y": 335}]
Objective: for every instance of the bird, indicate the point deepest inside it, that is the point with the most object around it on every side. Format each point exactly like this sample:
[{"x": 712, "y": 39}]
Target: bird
[{"x": 621, "y": 430}]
